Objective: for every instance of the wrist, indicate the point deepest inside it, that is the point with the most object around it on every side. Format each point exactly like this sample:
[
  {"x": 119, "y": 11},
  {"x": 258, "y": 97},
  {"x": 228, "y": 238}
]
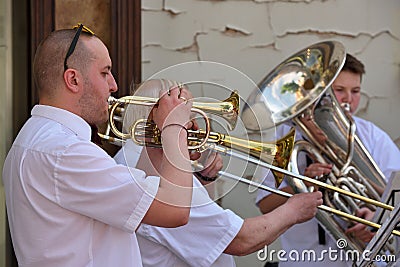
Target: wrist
[
  {"x": 205, "y": 178},
  {"x": 175, "y": 127}
]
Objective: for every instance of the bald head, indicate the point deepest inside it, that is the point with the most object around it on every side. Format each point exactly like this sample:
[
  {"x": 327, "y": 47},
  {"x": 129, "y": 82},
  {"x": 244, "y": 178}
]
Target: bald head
[{"x": 48, "y": 66}]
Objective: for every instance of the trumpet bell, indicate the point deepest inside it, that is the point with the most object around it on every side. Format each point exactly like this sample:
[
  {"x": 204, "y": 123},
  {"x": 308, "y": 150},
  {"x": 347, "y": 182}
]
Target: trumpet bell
[
  {"x": 293, "y": 85},
  {"x": 227, "y": 109}
]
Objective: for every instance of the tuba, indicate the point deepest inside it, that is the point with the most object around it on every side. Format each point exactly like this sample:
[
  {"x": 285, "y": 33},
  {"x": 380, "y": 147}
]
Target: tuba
[{"x": 298, "y": 92}]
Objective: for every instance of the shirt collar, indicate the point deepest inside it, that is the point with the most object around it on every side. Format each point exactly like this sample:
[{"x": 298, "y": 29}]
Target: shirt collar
[{"x": 70, "y": 120}]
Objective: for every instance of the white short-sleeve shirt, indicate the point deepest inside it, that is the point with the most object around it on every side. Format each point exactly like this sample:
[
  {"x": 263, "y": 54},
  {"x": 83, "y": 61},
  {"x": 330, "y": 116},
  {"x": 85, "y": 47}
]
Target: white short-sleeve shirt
[
  {"x": 304, "y": 237},
  {"x": 201, "y": 242},
  {"x": 68, "y": 202}
]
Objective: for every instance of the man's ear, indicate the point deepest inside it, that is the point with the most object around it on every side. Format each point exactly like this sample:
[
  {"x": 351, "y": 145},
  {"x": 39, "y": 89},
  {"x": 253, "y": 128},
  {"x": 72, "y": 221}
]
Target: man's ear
[{"x": 72, "y": 80}]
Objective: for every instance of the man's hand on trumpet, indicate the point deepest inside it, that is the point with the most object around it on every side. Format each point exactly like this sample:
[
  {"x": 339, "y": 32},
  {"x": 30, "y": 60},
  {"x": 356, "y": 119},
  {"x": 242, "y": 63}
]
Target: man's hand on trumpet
[
  {"x": 173, "y": 108},
  {"x": 212, "y": 165}
]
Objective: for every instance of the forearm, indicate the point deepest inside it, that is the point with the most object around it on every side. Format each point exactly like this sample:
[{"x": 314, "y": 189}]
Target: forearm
[
  {"x": 273, "y": 201},
  {"x": 174, "y": 195},
  {"x": 176, "y": 168},
  {"x": 263, "y": 230},
  {"x": 259, "y": 231}
]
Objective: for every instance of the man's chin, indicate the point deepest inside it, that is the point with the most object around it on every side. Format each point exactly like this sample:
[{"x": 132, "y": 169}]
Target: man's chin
[{"x": 100, "y": 121}]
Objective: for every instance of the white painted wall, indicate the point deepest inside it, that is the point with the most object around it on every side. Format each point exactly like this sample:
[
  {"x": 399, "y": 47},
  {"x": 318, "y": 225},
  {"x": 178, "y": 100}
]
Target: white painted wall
[{"x": 255, "y": 36}]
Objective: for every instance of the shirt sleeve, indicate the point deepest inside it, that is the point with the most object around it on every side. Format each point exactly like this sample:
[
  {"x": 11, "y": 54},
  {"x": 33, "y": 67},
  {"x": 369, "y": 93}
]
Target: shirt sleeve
[
  {"x": 207, "y": 234},
  {"x": 379, "y": 144},
  {"x": 89, "y": 182}
]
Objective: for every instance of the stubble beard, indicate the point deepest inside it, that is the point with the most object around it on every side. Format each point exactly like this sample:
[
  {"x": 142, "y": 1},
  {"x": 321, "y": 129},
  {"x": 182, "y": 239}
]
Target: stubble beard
[{"x": 92, "y": 108}]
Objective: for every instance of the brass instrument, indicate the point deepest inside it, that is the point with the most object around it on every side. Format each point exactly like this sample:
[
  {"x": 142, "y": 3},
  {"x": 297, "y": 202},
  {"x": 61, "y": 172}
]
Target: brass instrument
[
  {"x": 146, "y": 133},
  {"x": 332, "y": 139},
  {"x": 297, "y": 92},
  {"x": 227, "y": 109}
]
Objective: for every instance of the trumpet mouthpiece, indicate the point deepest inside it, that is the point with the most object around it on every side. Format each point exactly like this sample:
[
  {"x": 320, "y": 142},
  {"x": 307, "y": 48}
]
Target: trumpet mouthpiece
[
  {"x": 112, "y": 100},
  {"x": 346, "y": 106}
]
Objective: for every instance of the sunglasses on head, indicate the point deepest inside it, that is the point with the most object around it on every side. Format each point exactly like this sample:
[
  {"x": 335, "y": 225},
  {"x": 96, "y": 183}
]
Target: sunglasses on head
[{"x": 71, "y": 49}]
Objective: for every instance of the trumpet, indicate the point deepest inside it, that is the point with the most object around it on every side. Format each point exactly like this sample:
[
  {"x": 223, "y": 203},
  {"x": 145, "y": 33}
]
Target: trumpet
[{"x": 227, "y": 109}]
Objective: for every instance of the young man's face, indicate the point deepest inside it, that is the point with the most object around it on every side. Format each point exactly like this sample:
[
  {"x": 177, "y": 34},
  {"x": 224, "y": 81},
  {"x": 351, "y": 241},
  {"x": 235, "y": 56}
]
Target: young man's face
[{"x": 347, "y": 87}]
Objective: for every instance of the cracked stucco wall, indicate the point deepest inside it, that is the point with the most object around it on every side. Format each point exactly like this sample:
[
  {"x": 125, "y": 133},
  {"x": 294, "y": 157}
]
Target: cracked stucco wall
[{"x": 254, "y": 36}]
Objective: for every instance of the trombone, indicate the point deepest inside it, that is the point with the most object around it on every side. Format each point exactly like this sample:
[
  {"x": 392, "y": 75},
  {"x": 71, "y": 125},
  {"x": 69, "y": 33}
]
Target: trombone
[{"x": 145, "y": 133}]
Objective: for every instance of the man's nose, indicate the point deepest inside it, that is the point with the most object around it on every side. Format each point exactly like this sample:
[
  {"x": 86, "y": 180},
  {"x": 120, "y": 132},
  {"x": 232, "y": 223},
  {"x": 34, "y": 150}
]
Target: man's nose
[{"x": 113, "y": 84}]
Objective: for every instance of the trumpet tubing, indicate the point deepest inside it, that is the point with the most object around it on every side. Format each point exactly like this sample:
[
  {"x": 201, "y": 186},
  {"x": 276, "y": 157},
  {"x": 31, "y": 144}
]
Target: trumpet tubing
[{"x": 227, "y": 109}]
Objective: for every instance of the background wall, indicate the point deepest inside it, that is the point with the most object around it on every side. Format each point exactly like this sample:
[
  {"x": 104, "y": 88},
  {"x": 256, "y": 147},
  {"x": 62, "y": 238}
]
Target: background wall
[{"x": 254, "y": 36}]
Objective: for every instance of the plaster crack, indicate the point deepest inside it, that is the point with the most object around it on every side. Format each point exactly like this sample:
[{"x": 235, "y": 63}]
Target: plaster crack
[
  {"x": 234, "y": 31},
  {"x": 335, "y": 33}
]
